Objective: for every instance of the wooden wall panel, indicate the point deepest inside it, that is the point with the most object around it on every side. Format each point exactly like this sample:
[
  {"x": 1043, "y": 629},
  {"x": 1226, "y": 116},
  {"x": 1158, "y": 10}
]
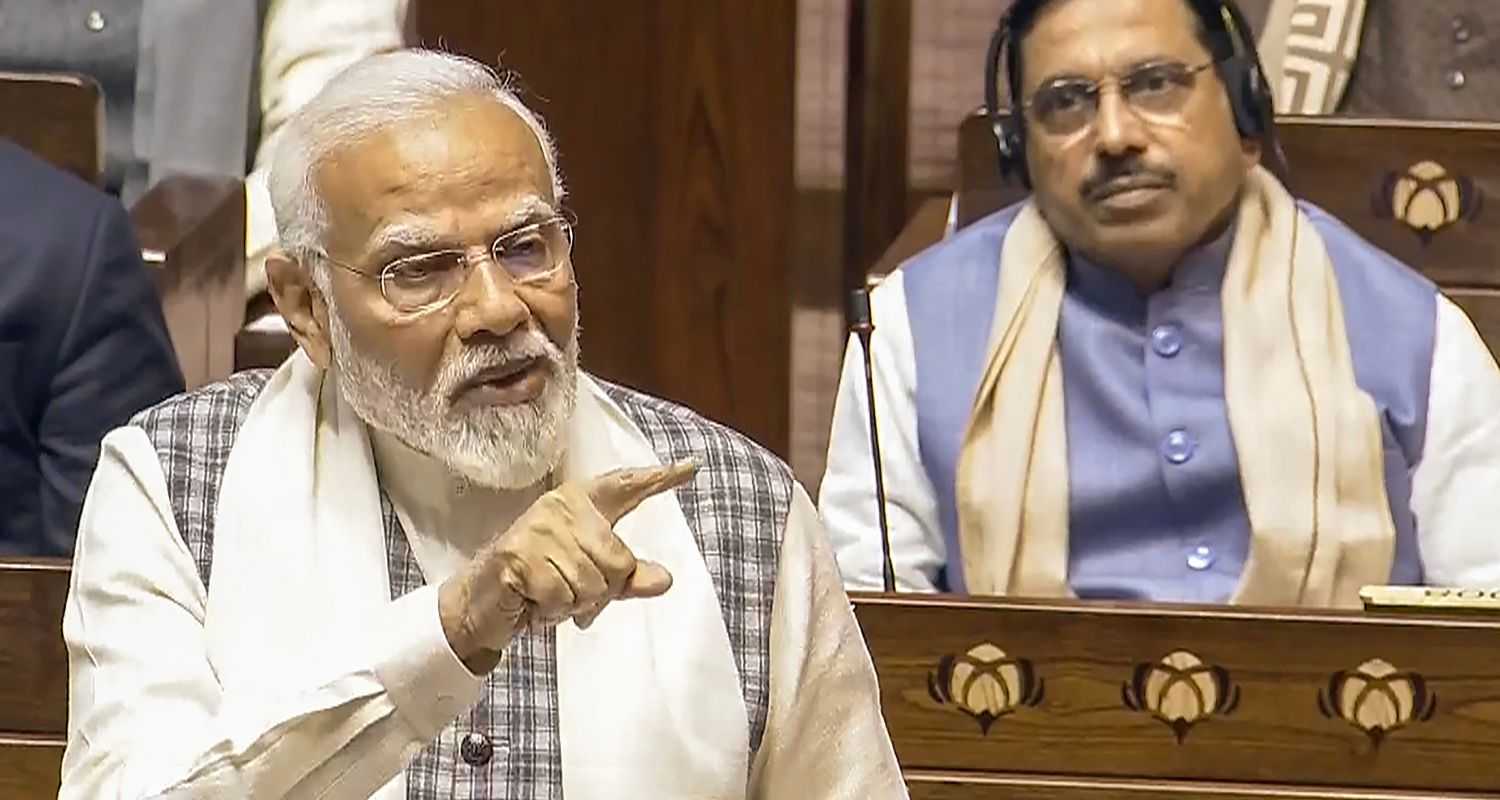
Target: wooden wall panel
[
  {"x": 30, "y": 768},
  {"x": 674, "y": 121},
  {"x": 33, "y": 661},
  {"x": 33, "y": 676},
  {"x": 875, "y": 132}
]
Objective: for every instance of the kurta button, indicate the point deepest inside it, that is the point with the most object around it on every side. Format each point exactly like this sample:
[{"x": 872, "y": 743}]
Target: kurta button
[
  {"x": 1178, "y": 447},
  {"x": 1457, "y": 80},
  {"x": 1201, "y": 558},
  {"x": 476, "y": 749},
  {"x": 94, "y": 21},
  {"x": 1166, "y": 340}
]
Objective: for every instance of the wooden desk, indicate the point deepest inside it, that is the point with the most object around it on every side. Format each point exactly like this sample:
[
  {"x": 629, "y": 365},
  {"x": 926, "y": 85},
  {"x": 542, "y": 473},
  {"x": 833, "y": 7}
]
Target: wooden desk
[
  {"x": 33, "y": 677},
  {"x": 1014, "y": 699}
]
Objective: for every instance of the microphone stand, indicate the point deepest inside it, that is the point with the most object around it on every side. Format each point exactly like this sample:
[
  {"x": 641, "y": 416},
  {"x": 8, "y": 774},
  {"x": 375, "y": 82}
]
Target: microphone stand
[{"x": 862, "y": 325}]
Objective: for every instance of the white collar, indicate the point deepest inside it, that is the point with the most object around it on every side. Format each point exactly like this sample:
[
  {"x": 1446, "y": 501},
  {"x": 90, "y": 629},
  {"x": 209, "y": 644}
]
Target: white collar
[{"x": 446, "y": 518}]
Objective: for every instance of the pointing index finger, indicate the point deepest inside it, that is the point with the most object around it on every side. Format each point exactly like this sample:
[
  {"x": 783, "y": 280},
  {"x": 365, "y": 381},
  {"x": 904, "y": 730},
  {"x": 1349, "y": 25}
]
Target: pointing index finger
[{"x": 617, "y": 492}]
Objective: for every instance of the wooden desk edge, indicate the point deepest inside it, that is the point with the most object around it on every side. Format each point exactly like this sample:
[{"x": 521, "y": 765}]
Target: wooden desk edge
[
  {"x": 874, "y": 600},
  {"x": 1126, "y": 789}
]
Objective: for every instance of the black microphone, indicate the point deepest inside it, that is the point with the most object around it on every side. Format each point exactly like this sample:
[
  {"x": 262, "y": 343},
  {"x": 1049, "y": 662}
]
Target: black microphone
[{"x": 861, "y": 324}]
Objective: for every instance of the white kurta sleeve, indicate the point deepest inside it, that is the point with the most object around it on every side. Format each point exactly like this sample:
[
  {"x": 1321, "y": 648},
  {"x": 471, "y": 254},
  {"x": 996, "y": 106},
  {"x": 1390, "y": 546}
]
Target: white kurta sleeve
[
  {"x": 825, "y": 736},
  {"x": 146, "y": 714},
  {"x": 304, "y": 43},
  {"x": 1456, "y": 484},
  {"x": 846, "y": 497}
]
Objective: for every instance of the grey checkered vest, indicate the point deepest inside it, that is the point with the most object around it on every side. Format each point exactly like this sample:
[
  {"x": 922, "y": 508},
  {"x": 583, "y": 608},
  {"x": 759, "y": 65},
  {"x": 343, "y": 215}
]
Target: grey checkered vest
[{"x": 507, "y": 745}]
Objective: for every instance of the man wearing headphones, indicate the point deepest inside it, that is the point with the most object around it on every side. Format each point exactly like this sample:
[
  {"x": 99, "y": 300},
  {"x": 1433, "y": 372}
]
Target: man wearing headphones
[{"x": 1162, "y": 378}]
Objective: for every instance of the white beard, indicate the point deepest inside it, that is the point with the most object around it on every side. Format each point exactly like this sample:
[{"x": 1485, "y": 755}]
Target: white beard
[{"x": 498, "y": 447}]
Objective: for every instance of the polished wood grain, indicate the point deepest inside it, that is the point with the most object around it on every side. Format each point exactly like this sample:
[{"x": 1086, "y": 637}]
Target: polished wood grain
[
  {"x": 965, "y": 786},
  {"x": 674, "y": 122},
  {"x": 59, "y": 117},
  {"x": 33, "y": 662},
  {"x": 1342, "y": 165},
  {"x": 30, "y": 767},
  {"x": 875, "y": 132},
  {"x": 33, "y": 676},
  {"x": 925, "y": 227},
  {"x": 192, "y": 233},
  {"x": 1085, "y": 654}
]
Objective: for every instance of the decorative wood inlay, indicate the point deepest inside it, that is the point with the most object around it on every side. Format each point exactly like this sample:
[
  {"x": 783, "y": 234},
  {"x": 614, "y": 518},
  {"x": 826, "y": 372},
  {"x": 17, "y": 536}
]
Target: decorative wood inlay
[
  {"x": 1378, "y": 699},
  {"x": 985, "y": 684},
  {"x": 1428, "y": 199},
  {"x": 1278, "y": 659},
  {"x": 1181, "y": 691}
]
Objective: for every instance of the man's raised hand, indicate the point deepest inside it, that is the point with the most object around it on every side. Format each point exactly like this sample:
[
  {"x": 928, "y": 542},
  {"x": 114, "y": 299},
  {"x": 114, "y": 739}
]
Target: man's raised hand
[{"x": 561, "y": 559}]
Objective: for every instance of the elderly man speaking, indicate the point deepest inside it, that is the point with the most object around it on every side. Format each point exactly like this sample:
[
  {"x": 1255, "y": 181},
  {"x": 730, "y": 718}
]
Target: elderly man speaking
[{"x": 430, "y": 558}]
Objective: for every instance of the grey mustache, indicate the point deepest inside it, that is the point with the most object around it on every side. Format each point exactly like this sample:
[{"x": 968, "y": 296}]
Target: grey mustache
[
  {"x": 1132, "y": 178},
  {"x": 473, "y": 363}
]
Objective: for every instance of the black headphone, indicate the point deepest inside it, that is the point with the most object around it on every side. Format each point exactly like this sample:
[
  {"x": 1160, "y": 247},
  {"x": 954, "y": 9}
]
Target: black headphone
[{"x": 1235, "y": 59}]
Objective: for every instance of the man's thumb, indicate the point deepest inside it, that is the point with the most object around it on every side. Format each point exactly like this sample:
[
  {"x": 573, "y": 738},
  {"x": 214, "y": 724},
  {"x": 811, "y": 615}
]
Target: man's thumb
[{"x": 650, "y": 579}]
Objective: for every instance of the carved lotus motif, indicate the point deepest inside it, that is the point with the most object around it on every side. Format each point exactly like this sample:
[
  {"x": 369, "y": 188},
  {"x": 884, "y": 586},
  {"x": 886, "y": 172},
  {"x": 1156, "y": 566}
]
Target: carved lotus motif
[
  {"x": 1427, "y": 199},
  {"x": 1378, "y": 699},
  {"x": 1181, "y": 691},
  {"x": 985, "y": 684}
]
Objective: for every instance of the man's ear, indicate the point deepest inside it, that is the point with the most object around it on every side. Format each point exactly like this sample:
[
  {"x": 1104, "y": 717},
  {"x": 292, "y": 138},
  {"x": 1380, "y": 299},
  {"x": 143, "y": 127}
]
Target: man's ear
[
  {"x": 1251, "y": 151},
  {"x": 301, "y": 304}
]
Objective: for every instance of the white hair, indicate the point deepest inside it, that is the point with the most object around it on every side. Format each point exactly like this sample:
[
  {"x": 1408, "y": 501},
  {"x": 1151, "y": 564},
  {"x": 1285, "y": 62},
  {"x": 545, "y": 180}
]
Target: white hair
[{"x": 371, "y": 94}]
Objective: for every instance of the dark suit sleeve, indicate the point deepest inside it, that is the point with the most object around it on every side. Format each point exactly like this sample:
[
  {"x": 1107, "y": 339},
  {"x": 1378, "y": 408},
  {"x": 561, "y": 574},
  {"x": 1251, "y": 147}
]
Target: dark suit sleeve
[{"x": 115, "y": 359}]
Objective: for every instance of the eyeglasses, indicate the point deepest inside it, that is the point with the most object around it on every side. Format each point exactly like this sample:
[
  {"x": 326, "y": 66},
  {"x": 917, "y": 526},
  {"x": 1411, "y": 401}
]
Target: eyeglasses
[
  {"x": 530, "y": 254},
  {"x": 1155, "y": 91}
]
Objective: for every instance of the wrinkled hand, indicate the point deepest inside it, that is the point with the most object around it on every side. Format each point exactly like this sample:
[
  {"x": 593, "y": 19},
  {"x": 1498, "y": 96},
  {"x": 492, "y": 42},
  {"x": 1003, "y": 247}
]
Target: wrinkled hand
[{"x": 560, "y": 560}]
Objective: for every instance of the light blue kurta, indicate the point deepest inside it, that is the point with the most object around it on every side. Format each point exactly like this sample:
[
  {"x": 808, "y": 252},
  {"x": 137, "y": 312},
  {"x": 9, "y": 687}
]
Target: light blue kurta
[{"x": 1156, "y": 507}]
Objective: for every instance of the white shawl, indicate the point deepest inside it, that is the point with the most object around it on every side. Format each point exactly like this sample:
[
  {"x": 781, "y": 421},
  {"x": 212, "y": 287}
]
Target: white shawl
[{"x": 630, "y": 689}]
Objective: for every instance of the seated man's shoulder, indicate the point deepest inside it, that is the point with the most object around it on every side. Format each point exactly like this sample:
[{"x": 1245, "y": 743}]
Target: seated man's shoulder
[
  {"x": 205, "y": 419},
  {"x": 48, "y": 216},
  {"x": 1358, "y": 260},
  {"x": 731, "y": 461},
  {"x": 964, "y": 264},
  {"x": 42, "y": 180}
]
